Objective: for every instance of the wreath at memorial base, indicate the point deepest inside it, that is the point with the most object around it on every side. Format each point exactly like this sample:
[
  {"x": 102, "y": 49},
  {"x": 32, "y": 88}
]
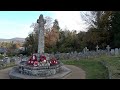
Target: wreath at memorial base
[
  {"x": 53, "y": 61},
  {"x": 42, "y": 61},
  {"x": 42, "y": 58}
]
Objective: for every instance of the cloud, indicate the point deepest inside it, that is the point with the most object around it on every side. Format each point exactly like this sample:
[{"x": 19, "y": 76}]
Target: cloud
[{"x": 70, "y": 19}]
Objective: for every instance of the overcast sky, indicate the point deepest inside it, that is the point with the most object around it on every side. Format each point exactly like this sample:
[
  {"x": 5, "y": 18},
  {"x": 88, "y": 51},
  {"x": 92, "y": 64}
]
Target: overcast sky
[{"x": 17, "y": 23}]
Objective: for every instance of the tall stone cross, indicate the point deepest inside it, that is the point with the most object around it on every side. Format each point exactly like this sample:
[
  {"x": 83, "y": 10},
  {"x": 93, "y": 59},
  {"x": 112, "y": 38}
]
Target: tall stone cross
[
  {"x": 41, "y": 21},
  {"x": 97, "y": 48}
]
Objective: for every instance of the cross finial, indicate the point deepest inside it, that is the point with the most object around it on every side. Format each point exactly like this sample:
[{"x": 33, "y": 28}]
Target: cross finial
[
  {"x": 97, "y": 46},
  {"x": 108, "y": 48},
  {"x": 41, "y": 21}
]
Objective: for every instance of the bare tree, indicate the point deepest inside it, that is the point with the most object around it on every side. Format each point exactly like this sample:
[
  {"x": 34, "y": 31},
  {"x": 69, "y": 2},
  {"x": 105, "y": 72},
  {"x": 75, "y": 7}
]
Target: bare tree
[{"x": 92, "y": 18}]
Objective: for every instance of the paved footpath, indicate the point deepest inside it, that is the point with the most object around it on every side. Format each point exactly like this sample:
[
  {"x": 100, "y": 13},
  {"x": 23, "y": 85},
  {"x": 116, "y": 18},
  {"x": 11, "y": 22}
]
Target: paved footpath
[
  {"x": 77, "y": 73},
  {"x": 4, "y": 73}
]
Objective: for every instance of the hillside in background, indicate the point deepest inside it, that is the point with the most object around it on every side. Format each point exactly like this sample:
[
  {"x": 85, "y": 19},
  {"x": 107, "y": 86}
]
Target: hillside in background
[{"x": 16, "y": 39}]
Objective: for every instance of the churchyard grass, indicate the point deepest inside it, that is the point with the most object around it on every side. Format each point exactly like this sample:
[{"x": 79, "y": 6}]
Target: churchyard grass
[
  {"x": 113, "y": 63},
  {"x": 1, "y": 56},
  {"x": 95, "y": 69},
  {"x": 8, "y": 65}
]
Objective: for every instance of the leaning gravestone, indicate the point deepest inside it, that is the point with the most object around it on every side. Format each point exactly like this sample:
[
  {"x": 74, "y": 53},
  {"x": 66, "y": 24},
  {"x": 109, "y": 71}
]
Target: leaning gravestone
[{"x": 37, "y": 66}]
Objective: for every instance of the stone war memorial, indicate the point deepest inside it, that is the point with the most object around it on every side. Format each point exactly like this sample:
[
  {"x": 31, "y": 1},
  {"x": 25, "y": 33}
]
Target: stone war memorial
[{"x": 40, "y": 65}]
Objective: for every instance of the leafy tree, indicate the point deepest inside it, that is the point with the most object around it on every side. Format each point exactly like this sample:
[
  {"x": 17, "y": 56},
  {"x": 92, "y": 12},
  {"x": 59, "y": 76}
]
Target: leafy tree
[{"x": 115, "y": 29}]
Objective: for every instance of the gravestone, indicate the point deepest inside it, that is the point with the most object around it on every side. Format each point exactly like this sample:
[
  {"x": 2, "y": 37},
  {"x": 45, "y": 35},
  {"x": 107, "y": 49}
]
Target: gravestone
[
  {"x": 21, "y": 57},
  {"x": 85, "y": 50},
  {"x": 75, "y": 52},
  {"x": 6, "y": 60},
  {"x": 108, "y": 49},
  {"x": 116, "y": 51},
  {"x": 112, "y": 52},
  {"x": 97, "y": 48}
]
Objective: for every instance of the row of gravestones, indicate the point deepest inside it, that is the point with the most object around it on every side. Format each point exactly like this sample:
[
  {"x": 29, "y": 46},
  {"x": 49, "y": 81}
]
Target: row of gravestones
[
  {"x": 5, "y": 61},
  {"x": 15, "y": 60},
  {"x": 115, "y": 51},
  {"x": 79, "y": 55},
  {"x": 87, "y": 54}
]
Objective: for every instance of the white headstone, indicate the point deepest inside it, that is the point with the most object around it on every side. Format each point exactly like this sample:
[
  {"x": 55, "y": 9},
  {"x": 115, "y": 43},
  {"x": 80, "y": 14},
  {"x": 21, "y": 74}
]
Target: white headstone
[
  {"x": 85, "y": 50},
  {"x": 112, "y": 52},
  {"x": 97, "y": 48},
  {"x": 7, "y": 60},
  {"x": 116, "y": 51},
  {"x": 108, "y": 48}
]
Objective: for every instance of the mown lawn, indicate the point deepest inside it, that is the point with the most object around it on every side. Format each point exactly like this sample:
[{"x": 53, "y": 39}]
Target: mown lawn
[
  {"x": 7, "y": 65},
  {"x": 113, "y": 63},
  {"x": 93, "y": 68}
]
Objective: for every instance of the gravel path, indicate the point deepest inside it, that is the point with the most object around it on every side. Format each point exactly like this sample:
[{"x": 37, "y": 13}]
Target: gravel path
[
  {"x": 4, "y": 73},
  {"x": 77, "y": 73}
]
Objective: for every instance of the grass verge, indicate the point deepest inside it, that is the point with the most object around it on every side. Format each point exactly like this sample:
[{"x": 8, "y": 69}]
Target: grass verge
[{"x": 93, "y": 68}]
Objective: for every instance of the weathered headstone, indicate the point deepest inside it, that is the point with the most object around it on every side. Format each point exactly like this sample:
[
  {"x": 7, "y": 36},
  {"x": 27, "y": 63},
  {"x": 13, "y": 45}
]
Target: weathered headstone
[
  {"x": 112, "y": 52},
  {"x": 108, "y": 49},
  {"x": 97, "y": 48},
  {"x": 6, "y": 60},
  {"x": 75, "y": 52},
  {"x": 21, "y": 57},
  {"x": 116, "y": 51},
  {"x": 85, "y": 50},
  {"x": 71, "y": 52}
]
